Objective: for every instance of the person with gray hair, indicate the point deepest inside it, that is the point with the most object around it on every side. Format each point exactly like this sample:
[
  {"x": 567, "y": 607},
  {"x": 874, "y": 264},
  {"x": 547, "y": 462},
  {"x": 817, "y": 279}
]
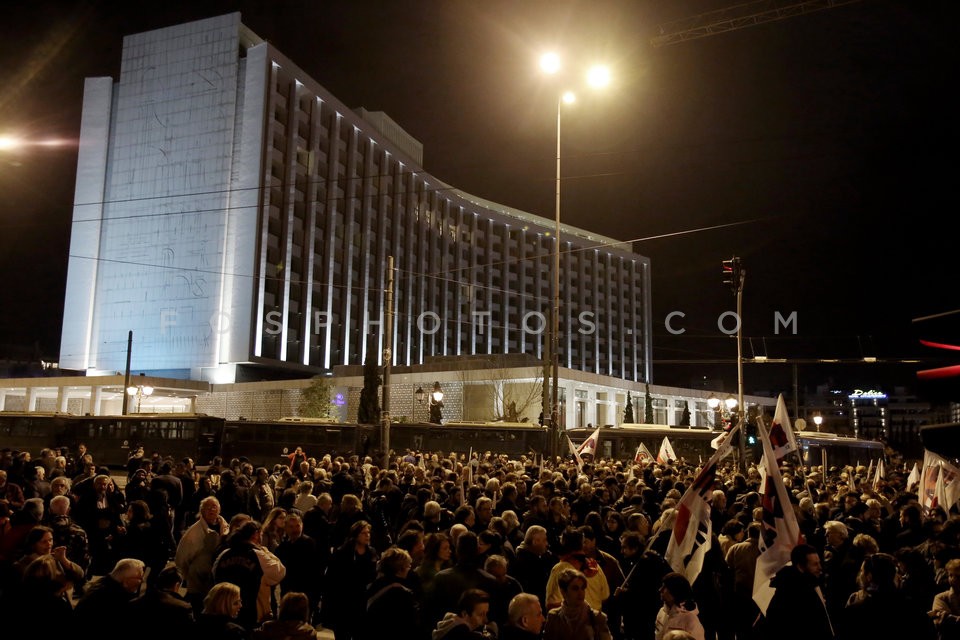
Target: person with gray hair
[
  {"x": 197, "y": 550},
  {"x": 106, "y": 604},
  {"x": 69, "y": 534},
  {"x": 524, "y": 618},
  {"x": 840, "y": 567},
  {"x": 534, "y": 562}
]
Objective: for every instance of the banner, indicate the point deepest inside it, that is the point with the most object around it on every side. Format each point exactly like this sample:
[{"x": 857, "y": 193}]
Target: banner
[
  {"x": 643, "y": 455},
  {"x": 692, "y": 533},
  {"x": 666, "y": 453},
  {"x": 940, "y": 482},
  {"x": 782, "y": 438},
  {"x": 589, "y": 446},
  {"x": 780, "y": 533}
]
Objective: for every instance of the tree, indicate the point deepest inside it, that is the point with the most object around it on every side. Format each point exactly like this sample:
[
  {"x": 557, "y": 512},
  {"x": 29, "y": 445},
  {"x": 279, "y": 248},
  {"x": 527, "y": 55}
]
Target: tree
[
  {"x": 628, "y": 411},
  {"x": 648, "y": 407},
  {"x": 315, "y": 399},
  {"x": 685, "y": 416},
  {"x": 508, "y": 400},
  {"x": 369, "y": 410}
]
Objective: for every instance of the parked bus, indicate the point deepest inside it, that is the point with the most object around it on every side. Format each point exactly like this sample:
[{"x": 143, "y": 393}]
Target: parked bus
[
  {"x": 265, "y": 443},
  {"x": 942, "y": 439},
  {"x": 110, "y": 438}
]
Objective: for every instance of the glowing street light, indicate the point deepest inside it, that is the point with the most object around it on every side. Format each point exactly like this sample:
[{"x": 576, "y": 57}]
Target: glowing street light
[
  {"x": 818, "y": 420},
  {"x": 597, "y": 77},
  {"x": 139, "y": 392}
]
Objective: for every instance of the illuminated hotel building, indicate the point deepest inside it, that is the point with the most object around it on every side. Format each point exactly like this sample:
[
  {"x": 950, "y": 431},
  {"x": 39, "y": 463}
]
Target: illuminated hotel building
[{"x": 237, "y": 217}]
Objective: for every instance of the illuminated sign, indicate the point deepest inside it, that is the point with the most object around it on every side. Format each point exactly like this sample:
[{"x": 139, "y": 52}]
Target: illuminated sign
[
  {"x": 339, "y": 400},
  {"x": 871, "y": 394}
]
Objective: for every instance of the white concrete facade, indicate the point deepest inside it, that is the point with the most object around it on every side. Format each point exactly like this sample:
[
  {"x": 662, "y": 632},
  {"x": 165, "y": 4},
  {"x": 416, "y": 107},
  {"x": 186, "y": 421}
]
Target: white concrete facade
[{"x": 229, "y": 210}]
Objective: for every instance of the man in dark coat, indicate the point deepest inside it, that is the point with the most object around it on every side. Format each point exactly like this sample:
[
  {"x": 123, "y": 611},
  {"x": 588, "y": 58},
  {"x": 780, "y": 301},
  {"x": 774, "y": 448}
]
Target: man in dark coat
[
  {"x": 534, "y": 562},
  {"x": 466, "y": 574},
  {"x": 798, "y": 610},
  {"x": 298, "y": 553},
  {"x": 168, "y": 614},
  {"x": 106, "y": 604}
]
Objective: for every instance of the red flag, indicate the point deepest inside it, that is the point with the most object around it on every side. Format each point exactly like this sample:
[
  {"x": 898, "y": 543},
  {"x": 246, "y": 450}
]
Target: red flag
[
  {"x": 692, "y": 533},
  {"x": 782, "y": 438},
  {"x": 781, "y": 533},
  {"x": 589, "y": 446}
]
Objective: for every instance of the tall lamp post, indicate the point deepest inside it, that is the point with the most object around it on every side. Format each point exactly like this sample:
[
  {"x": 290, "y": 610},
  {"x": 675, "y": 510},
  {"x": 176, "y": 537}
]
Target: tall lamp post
[{"x": 597, "y": 76}]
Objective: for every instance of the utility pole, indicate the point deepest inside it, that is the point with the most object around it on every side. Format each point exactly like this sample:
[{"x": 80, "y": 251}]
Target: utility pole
[
  {"x": 126, "y": 375},
  {"x": 387, "y": 359},
  {"x": 734, "y": 275}
]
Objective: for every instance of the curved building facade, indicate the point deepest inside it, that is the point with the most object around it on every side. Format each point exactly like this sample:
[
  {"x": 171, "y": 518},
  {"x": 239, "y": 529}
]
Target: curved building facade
[{"x": 232, "y": 213}]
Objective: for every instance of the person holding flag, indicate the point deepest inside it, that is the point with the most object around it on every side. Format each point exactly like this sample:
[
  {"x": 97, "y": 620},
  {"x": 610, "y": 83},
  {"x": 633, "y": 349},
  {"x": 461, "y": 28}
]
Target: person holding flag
[
  {"x": 781, "y": 532},
  {"x": 692, "y": 532},
  {"x": 797, "y": 610}
]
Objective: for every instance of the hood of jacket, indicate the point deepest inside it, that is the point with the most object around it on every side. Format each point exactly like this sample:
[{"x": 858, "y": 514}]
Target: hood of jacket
[{"x": 449, "y": 622}]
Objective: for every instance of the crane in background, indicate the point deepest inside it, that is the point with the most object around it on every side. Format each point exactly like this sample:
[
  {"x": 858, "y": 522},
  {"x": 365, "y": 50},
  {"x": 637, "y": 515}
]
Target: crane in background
[{"x": 739, "y": 16}]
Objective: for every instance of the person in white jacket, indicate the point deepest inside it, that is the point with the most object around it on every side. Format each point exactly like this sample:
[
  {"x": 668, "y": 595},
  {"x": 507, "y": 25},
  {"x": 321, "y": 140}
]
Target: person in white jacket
[
  {"x": 679, "y": 611},
  {"x": 197, "y": 550}
]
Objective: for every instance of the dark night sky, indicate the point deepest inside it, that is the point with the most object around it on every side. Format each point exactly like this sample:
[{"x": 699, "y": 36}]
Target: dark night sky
[{"x": 831, "y": 136}]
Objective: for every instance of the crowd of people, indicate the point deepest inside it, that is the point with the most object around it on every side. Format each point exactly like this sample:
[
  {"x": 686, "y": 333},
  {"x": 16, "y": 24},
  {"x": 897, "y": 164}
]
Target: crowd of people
[{"x": 447, "y": 547}]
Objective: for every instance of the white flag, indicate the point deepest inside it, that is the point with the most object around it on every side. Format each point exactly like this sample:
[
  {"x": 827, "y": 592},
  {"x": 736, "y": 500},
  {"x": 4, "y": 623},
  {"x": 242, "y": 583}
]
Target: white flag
[
  {"x": 666, "y": 453},
  {"x": 576, "y": 454},
  {"x": 643, "y": 455},
  {"x": 781, "y": 533},
  {"x": 880, "y": 475},
  {"x": 693, "y": 530},
  {"x": 914, "y": 478},
  {"x": 940, "y": 482},
  {"x": 589, "y": 446},
  {"x": 782, "y": 438}
]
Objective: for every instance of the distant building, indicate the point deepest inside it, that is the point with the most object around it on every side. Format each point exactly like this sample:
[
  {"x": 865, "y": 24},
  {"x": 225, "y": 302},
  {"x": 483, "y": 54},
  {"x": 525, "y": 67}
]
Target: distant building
[{"x": 237, "y": 217}]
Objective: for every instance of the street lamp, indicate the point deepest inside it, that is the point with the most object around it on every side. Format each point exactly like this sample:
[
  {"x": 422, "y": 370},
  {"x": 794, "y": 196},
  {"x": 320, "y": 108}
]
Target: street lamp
[
  {"x": 729, "y": 403},
  {"x": 436, "y": 404},
  {"x": 818, "y": 420},
  {"x": 418, "y": 395},
  {"x": 139, "y": 392},
  {"x": 597, "y": 76}
]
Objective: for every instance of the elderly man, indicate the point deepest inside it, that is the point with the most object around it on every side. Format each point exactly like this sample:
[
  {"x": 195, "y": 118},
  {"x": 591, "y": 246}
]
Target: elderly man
[
  {"x": 840, "y": 566},
  {"x": 197, "y": 550},
  {"x": 534, "y": 562},
  {"x": 524, "y": 618},
  {"x": 106, "y": 605}
]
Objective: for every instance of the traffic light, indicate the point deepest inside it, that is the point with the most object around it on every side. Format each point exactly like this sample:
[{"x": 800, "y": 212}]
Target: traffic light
[
  {"x": 751, "y": 432},
  {"x": 732, "y": 273}
]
